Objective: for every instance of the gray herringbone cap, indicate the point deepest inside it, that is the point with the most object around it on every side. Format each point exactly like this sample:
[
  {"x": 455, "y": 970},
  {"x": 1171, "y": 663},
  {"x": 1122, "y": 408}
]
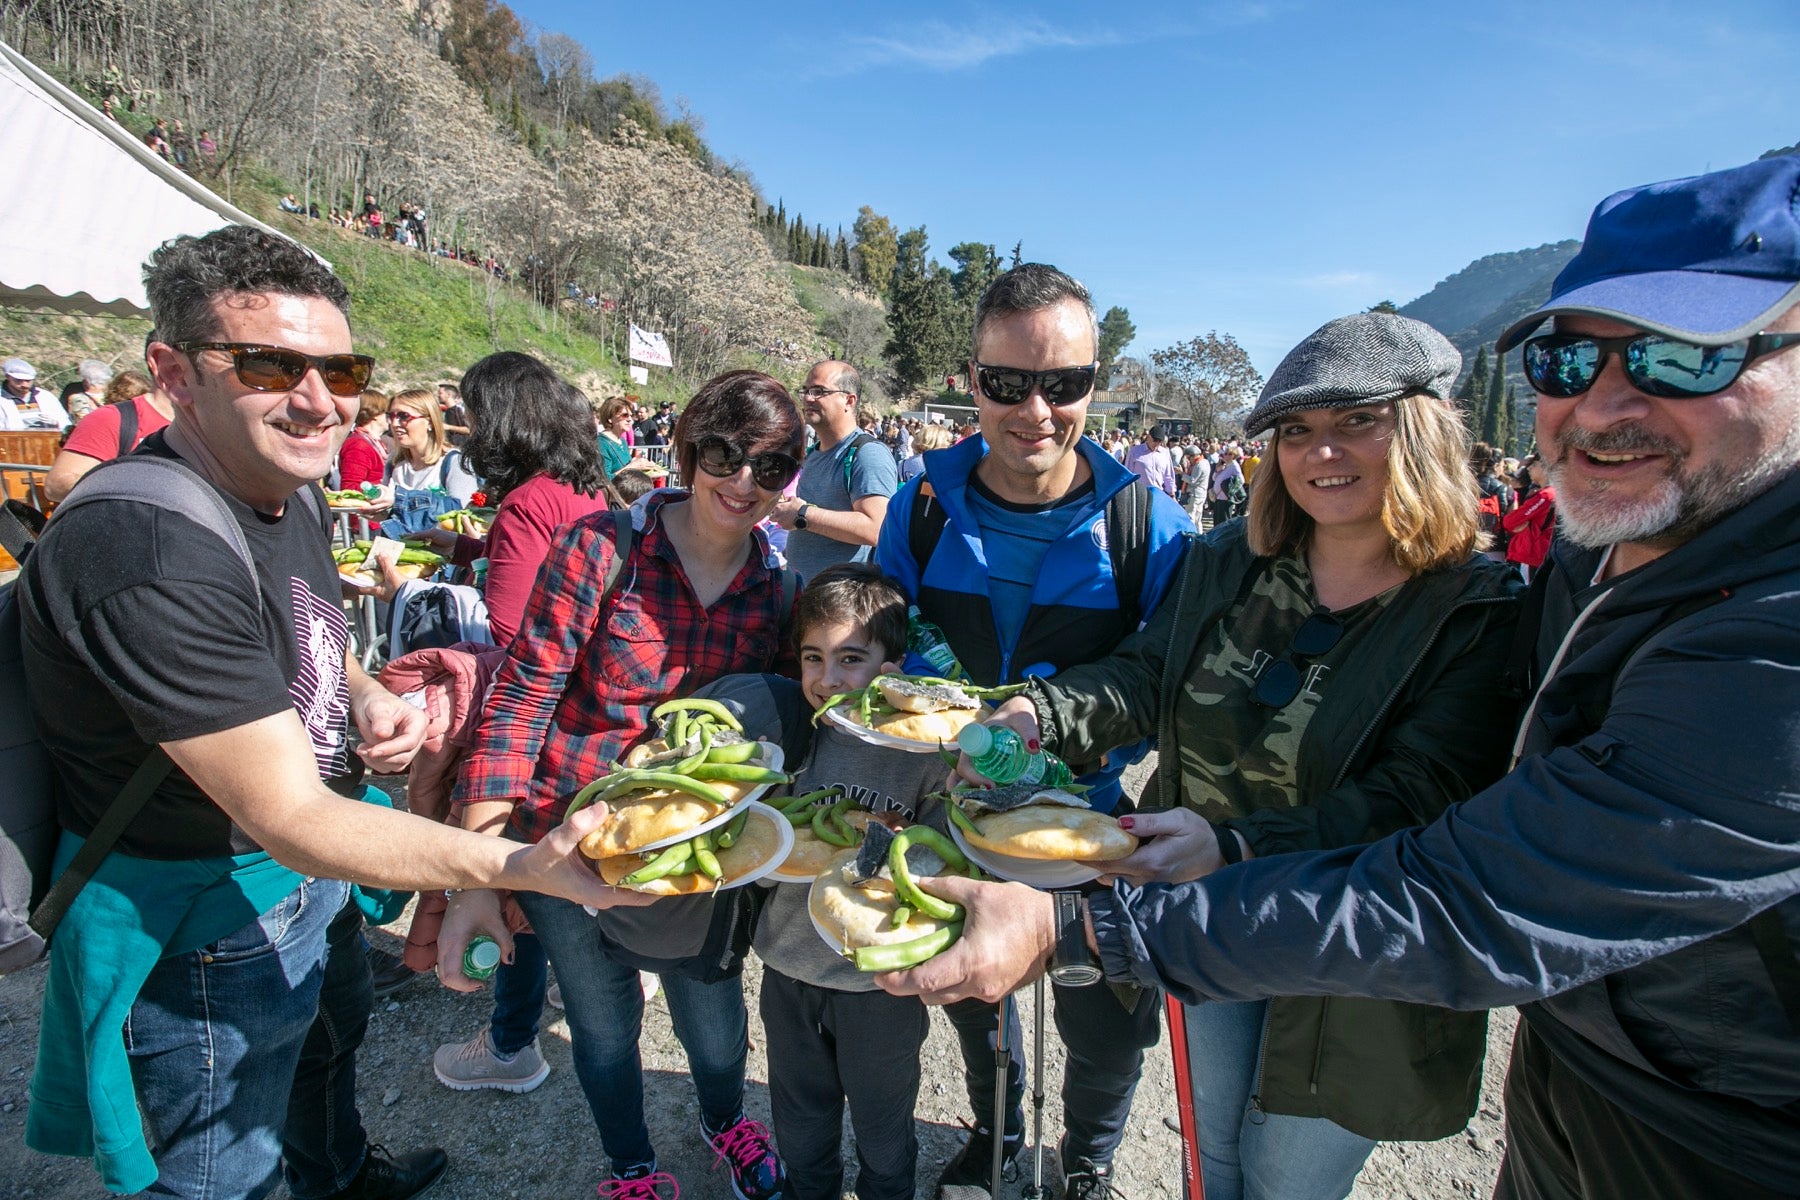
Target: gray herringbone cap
[{"x": 1363, "y": 359}]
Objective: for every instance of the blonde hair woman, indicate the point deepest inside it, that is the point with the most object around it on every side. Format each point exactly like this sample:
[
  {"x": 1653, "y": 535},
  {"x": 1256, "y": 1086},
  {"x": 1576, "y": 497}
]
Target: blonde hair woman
[
  {"x": 1327, "y": 671},
  {"x": 423, "y": 458}
]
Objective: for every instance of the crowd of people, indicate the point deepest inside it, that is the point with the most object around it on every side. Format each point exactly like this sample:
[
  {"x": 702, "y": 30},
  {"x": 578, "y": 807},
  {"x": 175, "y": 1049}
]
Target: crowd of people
[{"x": 1396, "y": 788}]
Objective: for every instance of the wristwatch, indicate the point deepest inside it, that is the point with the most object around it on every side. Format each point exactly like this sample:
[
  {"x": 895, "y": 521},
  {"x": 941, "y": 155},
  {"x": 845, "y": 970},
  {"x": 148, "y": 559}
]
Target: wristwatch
[
  {"x": 800, "y": 517},
  {"x": 1072, "y": 964}
]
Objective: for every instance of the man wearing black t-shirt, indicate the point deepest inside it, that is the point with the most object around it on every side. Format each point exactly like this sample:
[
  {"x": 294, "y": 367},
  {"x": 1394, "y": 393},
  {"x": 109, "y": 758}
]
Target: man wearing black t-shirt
[{"x": 143, "y": 630}]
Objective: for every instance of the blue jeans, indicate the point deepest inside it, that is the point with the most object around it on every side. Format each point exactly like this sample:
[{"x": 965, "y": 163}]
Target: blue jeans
[
  {"x": 604, "y": 1005},
  {"x": 1257, "y": 1155},
  {"x": 519, "y": 989},
  {"x": 216, "y": 1037}
]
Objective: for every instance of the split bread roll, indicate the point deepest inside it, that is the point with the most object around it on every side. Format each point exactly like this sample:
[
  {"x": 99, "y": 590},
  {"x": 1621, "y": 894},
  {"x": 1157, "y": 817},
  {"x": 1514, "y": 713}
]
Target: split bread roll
[
  {"x": 812, "y": 854},
  {"x": 1052, "y": 833},
  {"x": 641, "y": 818},
  {"x": 861, "y": 916},
  {"x": 931, "y": 727},
  {"x": 755, "y": 846}
]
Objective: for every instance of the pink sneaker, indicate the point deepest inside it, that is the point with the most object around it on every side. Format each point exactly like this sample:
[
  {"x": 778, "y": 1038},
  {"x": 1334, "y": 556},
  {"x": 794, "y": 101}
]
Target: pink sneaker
[
  {"x": 756, "y": 1170},
  {"x": 652, "y": 1185}
]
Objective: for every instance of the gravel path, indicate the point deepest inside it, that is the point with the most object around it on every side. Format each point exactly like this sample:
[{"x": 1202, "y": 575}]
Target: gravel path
[{"x": 544, "y": 1145}]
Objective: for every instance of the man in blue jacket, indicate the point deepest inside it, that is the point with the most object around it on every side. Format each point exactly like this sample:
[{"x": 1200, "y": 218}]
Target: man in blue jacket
[
  {"x": 1033, "y": 550},
  {"x": 1634, "y": 883}
]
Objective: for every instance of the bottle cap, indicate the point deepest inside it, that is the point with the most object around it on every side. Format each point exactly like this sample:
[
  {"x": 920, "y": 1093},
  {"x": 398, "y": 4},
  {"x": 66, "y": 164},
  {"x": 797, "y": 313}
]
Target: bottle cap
[
  {"x": 483, "y": 954},
  {"x": 975, "y": 739}
]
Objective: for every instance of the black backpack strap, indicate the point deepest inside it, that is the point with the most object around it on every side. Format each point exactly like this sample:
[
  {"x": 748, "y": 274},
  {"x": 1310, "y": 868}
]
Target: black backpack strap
[
  {"x": 925, "y": 525},
  {"x": 1776, "y": 950},
  {"x": 20, "y": 527},
  {"x": 113, "y": 822},
  {"x": 623, "y": 538},
  {"x": 1128, "y": 546},
  {"x": 172, "y": 485},
  {"x": 128, "y": 426}
]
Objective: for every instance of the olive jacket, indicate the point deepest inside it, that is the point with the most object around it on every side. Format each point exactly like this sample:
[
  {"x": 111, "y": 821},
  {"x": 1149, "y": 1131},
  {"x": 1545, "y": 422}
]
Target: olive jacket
[{"x": 1424, "y": 721}]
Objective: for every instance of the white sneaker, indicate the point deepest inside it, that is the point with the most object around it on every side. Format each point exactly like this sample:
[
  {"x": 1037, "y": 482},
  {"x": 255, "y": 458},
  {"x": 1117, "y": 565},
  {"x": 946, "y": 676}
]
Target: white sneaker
[
  {"x": 650, "y": 983},
  {"x": 554, "y": 995},
  {"x": 471, "y": 1065}
]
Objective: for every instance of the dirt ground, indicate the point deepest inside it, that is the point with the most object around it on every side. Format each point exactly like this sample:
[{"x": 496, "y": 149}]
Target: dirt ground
[{"x": 544, "y": 1145}]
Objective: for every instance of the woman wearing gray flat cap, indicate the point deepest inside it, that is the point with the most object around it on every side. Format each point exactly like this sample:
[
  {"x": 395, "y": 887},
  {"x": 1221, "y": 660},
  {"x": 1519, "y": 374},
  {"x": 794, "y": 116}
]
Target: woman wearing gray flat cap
[{"x": 1327, "y": 672}]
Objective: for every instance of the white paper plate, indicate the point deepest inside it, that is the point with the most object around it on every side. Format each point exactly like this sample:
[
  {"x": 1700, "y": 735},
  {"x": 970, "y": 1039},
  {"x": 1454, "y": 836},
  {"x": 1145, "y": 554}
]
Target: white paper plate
[
  {"x": 769, "y": 756},
  {"x": 783, "y": 832},
  {"x": 840, "y": 716},
  {"x": 1037, "y": 872}
]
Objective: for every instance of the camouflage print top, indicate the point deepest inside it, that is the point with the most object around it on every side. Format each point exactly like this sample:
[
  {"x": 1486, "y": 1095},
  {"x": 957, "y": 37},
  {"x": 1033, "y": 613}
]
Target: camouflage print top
[{"x": 1238, "y": 755}]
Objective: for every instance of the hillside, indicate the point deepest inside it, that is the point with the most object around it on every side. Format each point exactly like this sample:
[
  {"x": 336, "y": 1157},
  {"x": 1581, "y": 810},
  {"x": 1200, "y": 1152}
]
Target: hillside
[
  {"x": 347, "y": 98},
  {"x": 1473, "y": 306}
]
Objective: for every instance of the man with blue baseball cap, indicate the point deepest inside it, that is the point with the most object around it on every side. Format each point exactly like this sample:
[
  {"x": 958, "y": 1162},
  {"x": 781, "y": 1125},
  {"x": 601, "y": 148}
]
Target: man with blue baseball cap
[{"x": 1634, "y": 882}]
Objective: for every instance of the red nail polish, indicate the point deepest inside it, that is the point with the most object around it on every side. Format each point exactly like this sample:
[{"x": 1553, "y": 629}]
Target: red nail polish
[
  {"x": 1034, "y": 745},
  {"x": 1126, "y": 823}
]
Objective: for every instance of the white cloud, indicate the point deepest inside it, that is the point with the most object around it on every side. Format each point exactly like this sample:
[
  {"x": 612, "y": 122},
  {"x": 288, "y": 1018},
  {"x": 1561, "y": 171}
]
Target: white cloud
[{"x": 939, "y": 46}]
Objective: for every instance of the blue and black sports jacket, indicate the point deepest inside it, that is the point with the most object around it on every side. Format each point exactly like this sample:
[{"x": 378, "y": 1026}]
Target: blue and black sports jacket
[{"x": 1074, "y": 616}]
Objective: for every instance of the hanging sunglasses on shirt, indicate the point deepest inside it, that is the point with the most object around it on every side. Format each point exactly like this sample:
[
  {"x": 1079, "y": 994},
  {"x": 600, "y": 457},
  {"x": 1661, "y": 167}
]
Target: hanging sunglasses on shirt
[
  {"x": 1060, "y": 385},
  {"x": 278, "y": 369},
  {"x": 1565, "y": 365},
  {"x": 1280, "y": 681},
  {"x": 722, "y": 458}
]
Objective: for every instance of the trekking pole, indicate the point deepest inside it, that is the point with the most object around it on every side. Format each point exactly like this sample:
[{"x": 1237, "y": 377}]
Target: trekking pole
[
  {"x": 1001, "y": 1053},
  {"x": 1192, "y": 1186},
  {"x": 1037, "y": 1095}
]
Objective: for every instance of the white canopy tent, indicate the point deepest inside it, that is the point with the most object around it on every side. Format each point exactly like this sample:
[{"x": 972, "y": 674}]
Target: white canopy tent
[{"x": 87, "y": 201}]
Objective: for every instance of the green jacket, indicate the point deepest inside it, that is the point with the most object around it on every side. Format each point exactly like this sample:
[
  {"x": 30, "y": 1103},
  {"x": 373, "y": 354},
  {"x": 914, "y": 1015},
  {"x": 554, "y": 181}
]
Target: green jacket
[{"x": 1422, "y": 723}]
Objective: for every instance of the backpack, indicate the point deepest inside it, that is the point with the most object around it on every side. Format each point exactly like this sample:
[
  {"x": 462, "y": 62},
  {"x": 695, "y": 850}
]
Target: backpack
[
  {"x": 1492, "y": 507},
  {"x": 1127, "y": 540},
  {"x": 29, "y": 906}
]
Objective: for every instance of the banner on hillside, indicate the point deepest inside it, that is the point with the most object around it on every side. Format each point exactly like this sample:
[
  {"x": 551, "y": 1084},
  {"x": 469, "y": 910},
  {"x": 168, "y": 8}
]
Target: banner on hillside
[
  {"x": 639, "y": 374},
  {"x": 652, "y": 348}
]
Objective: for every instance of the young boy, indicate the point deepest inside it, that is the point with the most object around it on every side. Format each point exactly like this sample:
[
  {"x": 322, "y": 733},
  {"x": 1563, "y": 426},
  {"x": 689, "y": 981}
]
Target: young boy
[{"x": 832, "y": 1035}]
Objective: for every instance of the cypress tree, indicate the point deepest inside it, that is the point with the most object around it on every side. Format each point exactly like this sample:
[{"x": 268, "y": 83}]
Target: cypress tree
[{"x": 1493, "y": 412}]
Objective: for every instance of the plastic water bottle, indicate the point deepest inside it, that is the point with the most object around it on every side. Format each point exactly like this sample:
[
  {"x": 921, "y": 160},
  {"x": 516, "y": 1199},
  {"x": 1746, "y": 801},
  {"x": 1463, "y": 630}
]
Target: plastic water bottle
[
  {"x": 926, "y": 640},
  {"x": 1000, "y": 754},
  {"x": 481, "y": 958}
]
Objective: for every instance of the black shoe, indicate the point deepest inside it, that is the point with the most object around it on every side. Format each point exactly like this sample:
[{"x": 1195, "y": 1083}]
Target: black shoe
[
  {"x": 384, "y": 1177},
  {"x": 388, "y": 972},
  {"x": 1089, "y": 1180},
  {"x": 970, "y": 1174}
]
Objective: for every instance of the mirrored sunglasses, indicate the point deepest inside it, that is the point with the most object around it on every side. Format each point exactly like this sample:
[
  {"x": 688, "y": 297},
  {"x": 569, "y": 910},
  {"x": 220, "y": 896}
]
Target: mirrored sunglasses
[
  {"x": 722, "y": 458},
  {"x": 1565, "y": 365},
  {"x": 1060, "y": 385}
]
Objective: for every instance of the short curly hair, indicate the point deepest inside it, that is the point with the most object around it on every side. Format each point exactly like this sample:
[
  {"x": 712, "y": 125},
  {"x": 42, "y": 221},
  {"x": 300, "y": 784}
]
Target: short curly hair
[{"x": 186, "y": 274}]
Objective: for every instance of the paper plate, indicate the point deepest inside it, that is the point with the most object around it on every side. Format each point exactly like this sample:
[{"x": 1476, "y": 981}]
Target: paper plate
[
  {"x": 784, "y": 833},
  {"x": 769, "y": 756},
  {"x": 1037, "y": 872},
  {"x": 840, "y": 717}
]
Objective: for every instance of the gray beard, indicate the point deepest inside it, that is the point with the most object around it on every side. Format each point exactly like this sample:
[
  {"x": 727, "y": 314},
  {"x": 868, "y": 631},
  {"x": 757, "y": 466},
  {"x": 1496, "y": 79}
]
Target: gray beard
[{"x": 1683, "y": 503}]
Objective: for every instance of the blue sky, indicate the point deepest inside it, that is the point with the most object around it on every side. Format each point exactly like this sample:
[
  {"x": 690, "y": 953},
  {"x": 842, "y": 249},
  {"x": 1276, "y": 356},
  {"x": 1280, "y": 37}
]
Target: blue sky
[{"x": 1252, "y": 166}]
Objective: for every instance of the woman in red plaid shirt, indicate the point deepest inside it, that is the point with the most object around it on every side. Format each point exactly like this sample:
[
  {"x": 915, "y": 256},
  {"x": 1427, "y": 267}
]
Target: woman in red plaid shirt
[{"x": 700, "y": 598}]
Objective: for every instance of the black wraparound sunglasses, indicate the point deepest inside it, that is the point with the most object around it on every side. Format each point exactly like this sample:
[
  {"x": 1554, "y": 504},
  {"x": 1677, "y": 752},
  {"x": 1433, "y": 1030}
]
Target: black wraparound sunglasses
[
  {"x": 277, "y": 369},
  {"x": 1566, "y": 365},
  {"x": 722, "y": 458},
  {"x": 1011, "y": 385},
  {"x": 1280, "y": 681}
]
